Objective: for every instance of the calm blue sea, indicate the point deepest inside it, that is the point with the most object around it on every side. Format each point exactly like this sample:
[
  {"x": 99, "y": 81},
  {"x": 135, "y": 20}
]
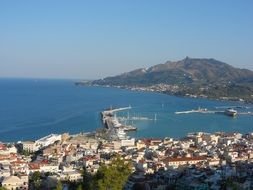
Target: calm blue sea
[{"x": 30, "y": 109}]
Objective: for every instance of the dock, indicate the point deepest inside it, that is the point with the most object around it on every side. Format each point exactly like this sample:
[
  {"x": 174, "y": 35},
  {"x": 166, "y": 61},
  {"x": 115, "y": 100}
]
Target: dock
[
  {"x": 245, "y": 113},
  {"x": 116, "y": 110},
  {"x": 134, "y": 119},
  {"x": 205, "y": 111},
  {"x": 116, "y": 129},
  {"x": 197, "y": 111}
]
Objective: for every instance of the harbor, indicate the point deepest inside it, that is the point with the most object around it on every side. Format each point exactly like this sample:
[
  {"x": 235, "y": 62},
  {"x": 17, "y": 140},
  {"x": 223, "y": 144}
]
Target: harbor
[
  {"x": 84, "y": 113},
  {"x": 118, "y": 126},
  {"x": 115, "y": 128}
]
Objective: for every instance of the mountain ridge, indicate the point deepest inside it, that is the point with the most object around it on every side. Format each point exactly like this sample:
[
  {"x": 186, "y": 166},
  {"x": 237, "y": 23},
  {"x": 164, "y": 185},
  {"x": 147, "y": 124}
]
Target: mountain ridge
[
  {"x": 187, "y": 69},
  {"x": 191, "y": 76}
]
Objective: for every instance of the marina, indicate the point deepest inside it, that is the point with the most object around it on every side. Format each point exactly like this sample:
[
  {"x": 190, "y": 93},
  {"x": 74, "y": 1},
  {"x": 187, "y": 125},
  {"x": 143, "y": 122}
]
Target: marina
[{"x": 115, "y": 128}]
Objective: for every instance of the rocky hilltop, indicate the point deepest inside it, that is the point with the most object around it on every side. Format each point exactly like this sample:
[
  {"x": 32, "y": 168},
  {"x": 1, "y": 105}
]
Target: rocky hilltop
[{"x": 189, "y": 77}]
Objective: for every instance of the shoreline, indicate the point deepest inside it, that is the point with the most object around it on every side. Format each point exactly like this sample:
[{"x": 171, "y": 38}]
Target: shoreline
[
  {"x": 145, "y": 89},
  {"x": 94, "y": 135},
  {"x": 97, "y": 125}
]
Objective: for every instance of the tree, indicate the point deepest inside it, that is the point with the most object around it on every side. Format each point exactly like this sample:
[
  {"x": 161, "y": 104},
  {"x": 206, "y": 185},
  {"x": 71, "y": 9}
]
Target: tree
[
  {"x": 230, "y": 183},
  {"x": 79, "y": 187},
  {"x": 36, "y": 176},
  {"x": 138, "y": 186},
  {"x": 26, "y": 152},
  {"x": 112, "y": 176},
  {"x": 87, "y": 178},
  {"x": 59, "y": 186}
]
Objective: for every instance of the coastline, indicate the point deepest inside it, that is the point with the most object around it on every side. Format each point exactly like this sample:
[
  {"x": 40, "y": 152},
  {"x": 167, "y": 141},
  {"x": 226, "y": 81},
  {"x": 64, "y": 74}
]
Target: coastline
[
  {"x": 81, "y": 111},
  {"x": 146, "y": 89}
]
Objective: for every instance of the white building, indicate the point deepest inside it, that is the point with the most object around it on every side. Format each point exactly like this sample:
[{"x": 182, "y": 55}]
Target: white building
[
  {"x": 28, "y": 146},
  {"x": 47, "y": 140},
  {"x": 14, "y": 182},
  {"x": 49, "y": 168},
  {"x": 4, "y": 173},
  {"x": 71, "y": 176},
  {"x": 128, "y": 142},
  {"x": 176, "y": 162}
]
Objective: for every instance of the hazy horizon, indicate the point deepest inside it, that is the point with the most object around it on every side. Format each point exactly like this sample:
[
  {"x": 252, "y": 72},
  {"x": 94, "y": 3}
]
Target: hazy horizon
[
  {"x": 91, "y": 40},
  {"x": 82, "y": 78}
]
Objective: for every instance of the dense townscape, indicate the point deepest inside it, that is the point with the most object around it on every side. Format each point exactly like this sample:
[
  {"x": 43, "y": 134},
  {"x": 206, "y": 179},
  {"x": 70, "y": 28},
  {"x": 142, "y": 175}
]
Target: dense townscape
[{"x": 198, "y": 161}]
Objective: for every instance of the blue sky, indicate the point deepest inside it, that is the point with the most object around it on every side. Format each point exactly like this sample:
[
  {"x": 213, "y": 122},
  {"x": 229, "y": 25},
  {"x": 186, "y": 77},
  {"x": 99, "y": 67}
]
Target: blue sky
[{"x": 93, "y": 39}]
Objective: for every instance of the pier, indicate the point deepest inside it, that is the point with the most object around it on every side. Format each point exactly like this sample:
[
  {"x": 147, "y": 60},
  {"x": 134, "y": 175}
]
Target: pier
[
  {"x": 116, "y": 129},
  {"x": 199, "y": 110},
  {"x": 245, "y": 113},
  {"x": 116, "y": 110},
  {"x": 205, "y": 111},
  {"x": 135, "y": 119}
]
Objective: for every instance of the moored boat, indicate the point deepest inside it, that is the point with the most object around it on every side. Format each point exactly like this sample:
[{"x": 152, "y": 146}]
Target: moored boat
[{"x": 230, "y": 112}]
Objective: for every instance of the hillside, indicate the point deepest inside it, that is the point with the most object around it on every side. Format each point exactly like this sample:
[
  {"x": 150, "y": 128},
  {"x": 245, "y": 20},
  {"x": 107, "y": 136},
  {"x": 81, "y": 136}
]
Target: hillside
[
  {"x": 190, "y": 76},
  {"x": 186, "y": 71}
]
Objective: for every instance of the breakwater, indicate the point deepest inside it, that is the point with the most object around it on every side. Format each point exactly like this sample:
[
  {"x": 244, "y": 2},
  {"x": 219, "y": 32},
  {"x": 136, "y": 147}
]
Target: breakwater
[{"x": 115, "y": 129}]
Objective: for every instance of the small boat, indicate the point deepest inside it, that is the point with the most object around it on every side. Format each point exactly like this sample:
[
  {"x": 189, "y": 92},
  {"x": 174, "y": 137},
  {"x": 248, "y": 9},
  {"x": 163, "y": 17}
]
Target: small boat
[{"x": 230, "y": 112}]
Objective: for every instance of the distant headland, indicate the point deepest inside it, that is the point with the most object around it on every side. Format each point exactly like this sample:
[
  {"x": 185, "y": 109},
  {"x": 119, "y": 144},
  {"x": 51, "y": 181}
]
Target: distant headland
[{"x": 192, "y": 77}]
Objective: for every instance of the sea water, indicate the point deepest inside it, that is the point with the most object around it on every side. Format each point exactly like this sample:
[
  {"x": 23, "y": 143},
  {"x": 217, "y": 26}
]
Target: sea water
[{"x": 33, "y": 108}]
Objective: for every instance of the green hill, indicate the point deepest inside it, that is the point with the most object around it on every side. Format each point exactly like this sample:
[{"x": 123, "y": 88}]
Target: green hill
[{"x": 190, "y": 76}]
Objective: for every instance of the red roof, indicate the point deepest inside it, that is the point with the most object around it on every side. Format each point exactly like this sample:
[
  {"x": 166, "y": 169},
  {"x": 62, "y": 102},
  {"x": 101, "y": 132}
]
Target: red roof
[
  {"x": 44, "y": 162},
  {"x": 2, "y": 146},
  {"x": 34, "y": 166},
  {"x": 18, "y": 162},
  {"x": 198, "y": 158},
  {"x": 88, "y": 157},
  {"x": 142, "y": 161}
]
